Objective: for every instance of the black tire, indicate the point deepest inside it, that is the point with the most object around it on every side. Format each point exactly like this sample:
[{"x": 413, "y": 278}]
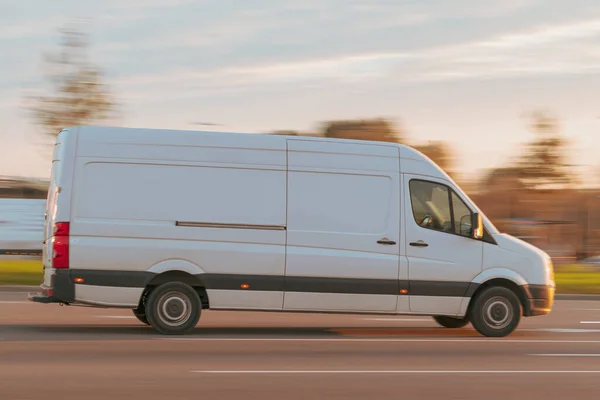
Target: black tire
[
  {"x": 450, "y": 322},
  {"x": 496, "y": 312},
  {"x": 184, "y": 308},
  {"x": 141, "y": 316}
]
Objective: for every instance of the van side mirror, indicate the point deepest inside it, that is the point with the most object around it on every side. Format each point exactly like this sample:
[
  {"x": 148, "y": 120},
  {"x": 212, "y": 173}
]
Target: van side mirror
[{"x": 477, "y": 226}]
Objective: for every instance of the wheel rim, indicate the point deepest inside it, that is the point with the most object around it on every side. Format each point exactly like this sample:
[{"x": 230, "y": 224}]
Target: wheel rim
[
  {"x": 174, "y": 309},
  {"x": 498, "y": 312}
]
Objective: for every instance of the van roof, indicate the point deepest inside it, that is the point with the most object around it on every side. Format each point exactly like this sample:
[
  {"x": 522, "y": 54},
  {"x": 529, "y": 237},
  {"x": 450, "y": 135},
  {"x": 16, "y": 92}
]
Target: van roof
[
  {"x": 173, "y": 132},
  {"x": 95, "y": 135},
  {"x": 113, "y": 133}
]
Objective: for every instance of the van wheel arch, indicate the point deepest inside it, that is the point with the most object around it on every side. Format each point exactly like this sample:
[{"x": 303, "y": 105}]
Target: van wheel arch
[
  {"x": 175, "y": 276},
  {"x": 505, "y": 283}
]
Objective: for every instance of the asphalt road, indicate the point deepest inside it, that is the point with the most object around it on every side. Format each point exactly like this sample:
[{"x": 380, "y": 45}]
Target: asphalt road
[{"x": 53, "y": 352}]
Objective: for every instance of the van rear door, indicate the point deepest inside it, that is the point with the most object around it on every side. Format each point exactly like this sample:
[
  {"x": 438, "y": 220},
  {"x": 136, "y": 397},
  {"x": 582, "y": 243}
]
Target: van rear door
[{"x": 51, "y": 206}]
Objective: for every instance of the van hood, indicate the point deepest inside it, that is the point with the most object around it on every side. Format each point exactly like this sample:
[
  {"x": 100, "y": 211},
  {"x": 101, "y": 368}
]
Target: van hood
[{"x": 512, "y": 244}]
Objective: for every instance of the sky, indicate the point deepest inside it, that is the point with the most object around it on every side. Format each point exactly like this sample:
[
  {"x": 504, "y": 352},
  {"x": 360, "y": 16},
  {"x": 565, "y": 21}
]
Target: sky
[{"x": 463, "y": 71}]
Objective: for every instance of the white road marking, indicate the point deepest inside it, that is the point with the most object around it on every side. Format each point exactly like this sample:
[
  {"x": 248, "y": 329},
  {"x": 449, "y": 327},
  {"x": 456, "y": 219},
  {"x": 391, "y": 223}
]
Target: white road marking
[
  {"x": 499, "y": 341},
  {"x": 398, "y": 319},
  {"x": 15, "y": 302},
  {"x": 561, "y": 330},
  {"x": 115, "y": 316},
  {"x": 565, "y": 355},
  {"x": 590, "y": 322},
  {"x": 473, "y": 372}
]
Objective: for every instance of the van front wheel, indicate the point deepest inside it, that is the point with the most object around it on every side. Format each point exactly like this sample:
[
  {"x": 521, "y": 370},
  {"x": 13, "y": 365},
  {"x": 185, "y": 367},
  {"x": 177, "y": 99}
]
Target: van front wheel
[
  {"x": 173, "y": 308},
  {"x": 450, "y": 322},
  {"x": 496, "y": 312}
]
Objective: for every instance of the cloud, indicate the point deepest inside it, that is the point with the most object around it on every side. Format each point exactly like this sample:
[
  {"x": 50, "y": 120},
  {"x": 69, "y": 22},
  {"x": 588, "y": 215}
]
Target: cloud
[
  {"x": 545, "y": 35},
  {"x": 561, "y": 49},
  {"x": 47, "y": 16},
  {"x": 297, "y": 22},
  {"x": 26, "y": 28},
  {"x": 234, "y": 51},
  {"x": 546, "y": 50},
  {"x": 146, "y": 4},
  {"x": 338, "y": 68},
  {"x": 480, "y": 9}
]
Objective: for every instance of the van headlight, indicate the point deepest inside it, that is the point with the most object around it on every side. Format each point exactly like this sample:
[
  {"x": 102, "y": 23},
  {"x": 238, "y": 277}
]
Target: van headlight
[{"x": 549, "y": 270}]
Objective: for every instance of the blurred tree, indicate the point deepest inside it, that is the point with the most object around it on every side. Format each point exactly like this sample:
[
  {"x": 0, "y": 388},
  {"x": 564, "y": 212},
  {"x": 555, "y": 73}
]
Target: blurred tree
[
  {"x": 440, "y": 153},
  {"x": 79, "y": 95},
  {"x": 380, "y": 130},
  {"x": 285, "y": 133},
  {"x": 377, "y": 129},
  {"x": 545, "y": 160}
]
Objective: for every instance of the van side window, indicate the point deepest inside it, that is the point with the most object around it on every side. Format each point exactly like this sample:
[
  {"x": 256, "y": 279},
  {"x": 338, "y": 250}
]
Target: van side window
[
  {"x": 436, "y": 206},
  {"x": 431, "y": 205},
  {"x": 462, "y": 216}
]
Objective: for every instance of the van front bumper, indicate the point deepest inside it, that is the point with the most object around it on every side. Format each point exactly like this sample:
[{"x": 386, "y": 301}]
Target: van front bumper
[
  {"x": 61, "y": 290},
  {"x": 539, "y": 299}
]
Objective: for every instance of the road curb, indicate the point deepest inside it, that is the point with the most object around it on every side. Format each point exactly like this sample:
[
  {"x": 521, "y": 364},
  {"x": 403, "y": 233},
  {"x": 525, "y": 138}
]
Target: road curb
[{"x": 18, "y": 289}]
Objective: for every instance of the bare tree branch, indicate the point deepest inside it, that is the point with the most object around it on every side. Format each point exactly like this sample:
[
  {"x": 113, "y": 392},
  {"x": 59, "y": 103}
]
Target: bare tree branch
[{"x": 79, "y": 95}]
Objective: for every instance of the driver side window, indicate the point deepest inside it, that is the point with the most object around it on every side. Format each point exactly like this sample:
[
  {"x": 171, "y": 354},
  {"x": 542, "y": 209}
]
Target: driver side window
[
  {"x": 431, "y": 205},
  {"x": 437, "y": 207}
]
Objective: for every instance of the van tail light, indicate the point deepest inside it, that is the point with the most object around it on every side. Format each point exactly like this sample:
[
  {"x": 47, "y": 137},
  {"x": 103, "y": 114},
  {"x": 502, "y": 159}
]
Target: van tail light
[{"x": 60, "y": 246}]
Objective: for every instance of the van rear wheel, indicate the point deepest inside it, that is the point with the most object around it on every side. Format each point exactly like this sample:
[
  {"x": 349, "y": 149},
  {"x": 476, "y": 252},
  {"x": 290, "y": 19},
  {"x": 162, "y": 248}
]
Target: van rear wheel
[
  {"x": 173, "y": 308},
  {"x": 141, "y": 316},
  {"x": 496, "y": 312},
  {"x": 450, "y": 322}
]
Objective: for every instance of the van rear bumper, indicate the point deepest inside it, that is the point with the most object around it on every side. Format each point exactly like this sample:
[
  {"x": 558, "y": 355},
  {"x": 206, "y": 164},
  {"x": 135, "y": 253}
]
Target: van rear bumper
[
  {"x": 539, "y": 300},
  {"x": 61, "y": 290}
]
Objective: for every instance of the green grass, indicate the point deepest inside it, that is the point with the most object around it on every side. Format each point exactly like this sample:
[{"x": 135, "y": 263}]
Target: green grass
[
  {"x": 571, "y": 279},
  {"x": 576, "y": 279},
  {"x": 21, "y": 272}
]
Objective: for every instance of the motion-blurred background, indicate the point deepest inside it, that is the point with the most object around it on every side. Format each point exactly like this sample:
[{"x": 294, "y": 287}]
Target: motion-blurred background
[{"x": 502, "y": 95}]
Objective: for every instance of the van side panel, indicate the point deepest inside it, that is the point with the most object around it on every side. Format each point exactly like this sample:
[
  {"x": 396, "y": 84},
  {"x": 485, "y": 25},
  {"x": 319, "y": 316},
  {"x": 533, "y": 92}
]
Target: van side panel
[
  {"x": 141, "y": 201},
  {"x": 189, "y": 195},
  {"x": 342, "y": 199}
]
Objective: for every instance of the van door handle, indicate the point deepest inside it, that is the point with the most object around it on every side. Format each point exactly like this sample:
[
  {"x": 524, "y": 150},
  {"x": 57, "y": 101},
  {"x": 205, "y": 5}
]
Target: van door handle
[
  {"x": 386, "y": 242},
  {"x": 420, "y": 243}
]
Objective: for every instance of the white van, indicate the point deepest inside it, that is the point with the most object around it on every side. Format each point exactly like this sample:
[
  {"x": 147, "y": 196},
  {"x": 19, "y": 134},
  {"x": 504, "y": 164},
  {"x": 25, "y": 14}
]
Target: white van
[{"x": 168, "y": 223}]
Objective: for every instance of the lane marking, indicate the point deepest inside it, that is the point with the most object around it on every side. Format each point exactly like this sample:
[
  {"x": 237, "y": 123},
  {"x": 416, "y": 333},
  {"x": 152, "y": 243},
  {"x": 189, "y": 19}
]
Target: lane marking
[
  {"x": 590, "y": 322},
  {"x": 115, "y": 316},
  {"x": 473, "y": 372},
  {"x": 567, "y": 330},
  {"x": 15, "y": 302},
  {"x": 398, "y": 319},
  {"x": 565, "y": 355},
  {"x": 218, "y": 339}
]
